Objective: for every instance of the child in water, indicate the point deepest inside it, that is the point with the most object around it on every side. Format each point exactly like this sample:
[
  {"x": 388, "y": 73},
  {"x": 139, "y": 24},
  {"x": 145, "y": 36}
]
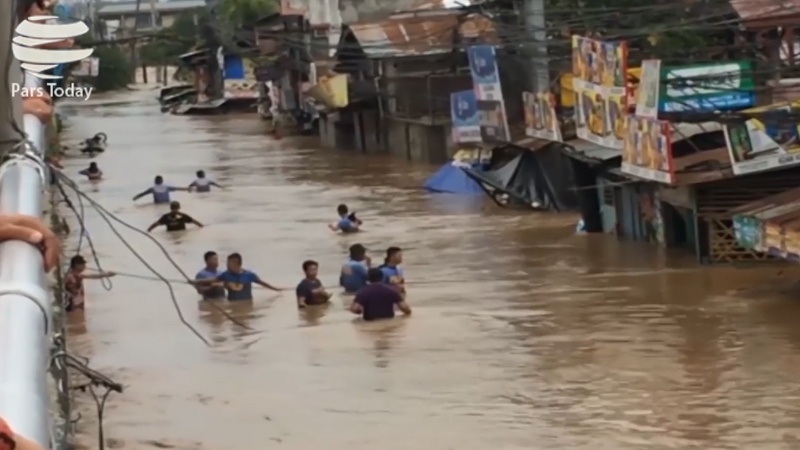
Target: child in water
[{"x": 348, "y": 222}]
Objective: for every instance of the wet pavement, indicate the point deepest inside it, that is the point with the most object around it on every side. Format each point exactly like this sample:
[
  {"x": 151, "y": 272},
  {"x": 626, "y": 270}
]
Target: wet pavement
[{"x": 523, "y": 336}]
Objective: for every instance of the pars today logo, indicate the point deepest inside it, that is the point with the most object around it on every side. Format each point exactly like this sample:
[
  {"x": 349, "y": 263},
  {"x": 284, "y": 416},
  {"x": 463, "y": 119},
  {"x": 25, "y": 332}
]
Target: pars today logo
[{"x": 31, "y": 35}]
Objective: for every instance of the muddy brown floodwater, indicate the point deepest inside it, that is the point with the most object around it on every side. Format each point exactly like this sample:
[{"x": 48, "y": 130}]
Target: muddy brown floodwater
[{"x": 524, "y": 336}]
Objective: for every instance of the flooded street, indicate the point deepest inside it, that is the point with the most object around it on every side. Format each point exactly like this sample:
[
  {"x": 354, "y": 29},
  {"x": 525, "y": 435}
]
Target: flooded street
[{"x": 523, "y": 336}]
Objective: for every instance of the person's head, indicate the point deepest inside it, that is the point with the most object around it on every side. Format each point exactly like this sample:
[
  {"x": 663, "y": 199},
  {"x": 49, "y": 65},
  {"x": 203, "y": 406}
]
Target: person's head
[
  {"x": 358, "y": 252},
  {"x": 394, "y": 256},
  {"x": 211, "y": 259},
  {"x": 28, "y": 8},
  {"x": 174, "y": 206},
  {"x": 93, "y": 165},
  {"x": 159, "y": 179},
  {"x": 342, "y": 209},
  {"x": 310, "y": 268},
  {"x": 375, "y": 275},
  {"x": 201, "y": 174},
  {"x": 77, "y": 263},
  {"x": 234, "y": 262}
]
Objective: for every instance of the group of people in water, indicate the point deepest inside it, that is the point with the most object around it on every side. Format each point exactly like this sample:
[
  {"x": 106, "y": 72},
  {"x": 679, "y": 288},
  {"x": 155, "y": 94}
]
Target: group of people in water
[{"x": 377, "y": 290}]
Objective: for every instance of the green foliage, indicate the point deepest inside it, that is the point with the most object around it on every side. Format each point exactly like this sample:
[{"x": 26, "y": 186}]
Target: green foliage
[
  {"x": 115, "y": 68},
  {"x": 241, "y": 13},
  {"x": 171, "y": 42}
]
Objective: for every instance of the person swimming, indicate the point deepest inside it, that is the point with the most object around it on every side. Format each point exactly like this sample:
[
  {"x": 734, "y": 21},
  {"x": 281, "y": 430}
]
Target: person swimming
[
  {"x": 348, "y": 222},
  {"x": 92, "y": 172},
  {"x": 160, "y": 191},
  {"x": 174, "y": 220},
  {"x": 202, "y": 184}
]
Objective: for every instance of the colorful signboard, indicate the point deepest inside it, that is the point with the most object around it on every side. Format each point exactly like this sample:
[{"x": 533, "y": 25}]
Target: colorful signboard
[
  {"x": 706, "y": 87},
  {"x": 599, "y": 70},
  {"x": 646, "y": 153},
  {"x": 648, "y": 90},
  {"x": 541, "y": 120},
  {"x": 488, "y": 92},
  {"x": 465, "y": 117},
  {"x": 757, "y": 145}
]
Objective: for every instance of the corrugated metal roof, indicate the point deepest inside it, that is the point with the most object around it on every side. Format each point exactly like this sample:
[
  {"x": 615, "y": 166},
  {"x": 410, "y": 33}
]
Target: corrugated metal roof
[
  {"x": 758, "y": 10},
  {"x": 118, "y": 8},
  {"x": 418, "y": 5},
  {"x": 591, "y": 152},
  {"x": 417, "y": 36}
]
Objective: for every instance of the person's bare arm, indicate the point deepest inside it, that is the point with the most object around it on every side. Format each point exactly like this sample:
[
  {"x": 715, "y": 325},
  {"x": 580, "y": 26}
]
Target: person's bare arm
[
  {"x": 142, "y": 194},
  {"x": 334, "y": 226},
  {"x": 214, "y": 183},
  {"x": 261, "y": 282},
  {"x": 155, "y": 225},
  {"x": 98, "y": 276},
  {"x": 355, "y": 307},
  {"x": 404, "y": 307}
]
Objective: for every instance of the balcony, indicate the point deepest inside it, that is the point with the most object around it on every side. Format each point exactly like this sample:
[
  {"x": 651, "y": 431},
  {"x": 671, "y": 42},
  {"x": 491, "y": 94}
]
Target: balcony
[{"x": 424, "y": 99}]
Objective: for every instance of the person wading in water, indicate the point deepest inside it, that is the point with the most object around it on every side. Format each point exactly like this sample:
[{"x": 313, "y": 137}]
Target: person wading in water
[
  {"x": 378, "y": 299},
  {"x": 73, "y": 283},
  {"x": 160, "y": 191},
  {"x": 174, "y": 220},
  {"x": 238, "y": 281},
  {"x": 202, "y": 184},
  {"x": 93, "y": 173}
]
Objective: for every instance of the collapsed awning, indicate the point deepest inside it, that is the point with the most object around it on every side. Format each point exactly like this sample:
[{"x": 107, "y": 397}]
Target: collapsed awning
[{"x": 539, "y": 179}]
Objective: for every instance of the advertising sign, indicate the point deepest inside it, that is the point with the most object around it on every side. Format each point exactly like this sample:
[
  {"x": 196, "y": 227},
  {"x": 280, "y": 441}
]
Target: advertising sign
[
  {"x": 465, "y": 117},
  {"x": 646, "y": 153},
  {"x": 757, "y": 145},
  {"x": 540, "y": 116},
  {"x": 488, "y": 92},
  {"x": 647, "y": 93},
  {"x": 707, "y": 87},
  {"x": 599, "y": 70}
]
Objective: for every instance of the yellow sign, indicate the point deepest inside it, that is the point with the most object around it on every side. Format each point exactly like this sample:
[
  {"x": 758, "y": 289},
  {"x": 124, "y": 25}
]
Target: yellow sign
[
  {"x": 541, "y": 120},
  {"x": 330, "y": 91},
  {"x": 600, "y": 83},
  {"x": 647, "y": 152}
]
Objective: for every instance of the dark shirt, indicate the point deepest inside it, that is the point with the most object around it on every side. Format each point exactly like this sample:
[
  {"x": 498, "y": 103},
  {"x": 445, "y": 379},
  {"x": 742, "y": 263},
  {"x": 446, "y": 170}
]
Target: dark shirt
[
  {"x": 175, "y": 221},
  {"x": 213, "y": 292},
  {"x": 305, "y": 291},
  {"x": 377, "y": 301}
]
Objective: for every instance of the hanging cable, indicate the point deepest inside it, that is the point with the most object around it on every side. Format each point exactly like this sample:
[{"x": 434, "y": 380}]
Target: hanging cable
[{"x": 108, "y": 217}]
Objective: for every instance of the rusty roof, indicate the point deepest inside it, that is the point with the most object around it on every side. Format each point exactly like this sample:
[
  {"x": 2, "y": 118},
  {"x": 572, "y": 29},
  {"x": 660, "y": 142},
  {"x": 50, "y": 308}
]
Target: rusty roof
[
  {"x": 755, "y": 11},
  {"x": 418, "y": 5},
  {"x": 420, "y": 35}
]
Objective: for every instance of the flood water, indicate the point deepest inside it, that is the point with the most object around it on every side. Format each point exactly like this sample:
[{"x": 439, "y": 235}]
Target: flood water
[{"x": 523, "y": 336}]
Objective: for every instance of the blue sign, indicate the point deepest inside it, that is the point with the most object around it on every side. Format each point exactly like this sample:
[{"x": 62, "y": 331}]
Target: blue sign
[
  {"x": 465, "y": 117},
  {"x": 727, "y": 86},
  {"x": 483, "y": 64}
]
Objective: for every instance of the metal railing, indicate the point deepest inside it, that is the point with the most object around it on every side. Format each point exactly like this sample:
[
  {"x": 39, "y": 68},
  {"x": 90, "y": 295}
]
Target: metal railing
[{"x": 25, "y": 309}]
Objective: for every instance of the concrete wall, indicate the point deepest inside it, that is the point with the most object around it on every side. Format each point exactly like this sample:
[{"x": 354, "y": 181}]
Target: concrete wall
[{"x": 368, "y": 132}]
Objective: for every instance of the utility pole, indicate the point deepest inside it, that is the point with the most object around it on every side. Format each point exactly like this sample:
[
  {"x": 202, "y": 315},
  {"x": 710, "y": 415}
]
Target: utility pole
[{"x": 538, "y": 59}]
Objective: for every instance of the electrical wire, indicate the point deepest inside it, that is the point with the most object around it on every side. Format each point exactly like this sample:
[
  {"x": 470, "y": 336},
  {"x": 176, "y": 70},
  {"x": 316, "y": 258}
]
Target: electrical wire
[{"x": 109, "y": 218}]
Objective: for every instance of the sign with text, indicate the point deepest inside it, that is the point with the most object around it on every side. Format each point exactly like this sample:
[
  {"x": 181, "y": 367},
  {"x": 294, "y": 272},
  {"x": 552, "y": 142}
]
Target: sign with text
[
  {"x": 541, "y": 120},
  {"x": 599, "y": 70},
  {"x": 647, "y": 150},
  {"x": 488, "y": 92},
  {"x": 647, "y": 92},
  {"x": 758, "y": 145},
  {"x": 465, "y": 117},
  {"x": 706, "y": 87}
]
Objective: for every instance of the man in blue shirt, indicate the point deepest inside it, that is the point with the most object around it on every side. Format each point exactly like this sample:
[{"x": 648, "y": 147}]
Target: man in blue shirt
[
  {"x": 347, "y": 223},
  {"x": 392, "y": 272},
  {"x": 215, "y": 291},
  {"x": 237, "y": 280},
  {"x": 310, "y": 290},
  {"x": 160, "y": 191},
  {"x": 354, "y": 270}
]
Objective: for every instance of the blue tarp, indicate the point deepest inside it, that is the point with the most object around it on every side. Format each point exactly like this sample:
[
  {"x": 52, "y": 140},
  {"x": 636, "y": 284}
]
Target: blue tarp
[{"x": 452, "y": 180}]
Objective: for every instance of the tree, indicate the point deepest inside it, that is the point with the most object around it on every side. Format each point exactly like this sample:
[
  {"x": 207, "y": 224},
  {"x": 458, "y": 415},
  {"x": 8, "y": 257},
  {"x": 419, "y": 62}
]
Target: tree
[{"x": 241, "y": 13}]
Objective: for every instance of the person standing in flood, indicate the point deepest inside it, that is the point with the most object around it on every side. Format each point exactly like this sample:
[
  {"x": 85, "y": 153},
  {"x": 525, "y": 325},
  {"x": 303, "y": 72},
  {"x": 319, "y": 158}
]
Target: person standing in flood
[
  {"x": 160, "y": 191},
  {"x": 348, "y": 222},
  {"x": 353, "y": 275},
  {"x": 93, "y": 172},
  {"x": 310, "y": 290},
  {"x": 73, "y": 283},
  {"x": 215, "y": 291},
  {"x": 202, "y": 184},
  {"x": 392, "y": 272},
  {"x": 377, "y": 300},
  {"x": 238, "y": 281},
  {"x": 174, "y": 220}
]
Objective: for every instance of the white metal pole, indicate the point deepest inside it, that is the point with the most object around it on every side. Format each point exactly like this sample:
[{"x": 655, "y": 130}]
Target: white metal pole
[{"x": 25, "y": 308}]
